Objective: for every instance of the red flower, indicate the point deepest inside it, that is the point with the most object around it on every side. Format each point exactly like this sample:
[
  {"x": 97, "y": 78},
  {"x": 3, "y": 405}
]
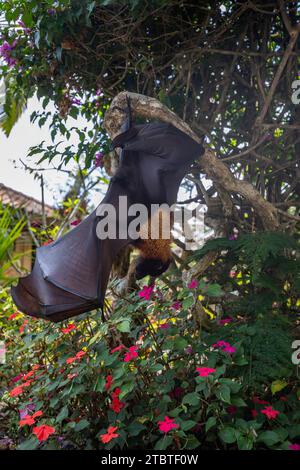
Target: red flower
[
  {"x": 70, "y": 360},
  {"x": 69, "y": 328},
  {"x": 37, "y": 414},
  {"x": 43, "y": 432},
  {"x": 22, "y": 328},
  {"x": 205, "y": 371},
  {"x": 167, "y": 424},
  {"x": 164, "y": 326},
  {"x": 105, "y": 438},
  {"x": 27, "y": 421},
  {"x": 109, "y": 381},
  {"x": 16, "y": 391},
  {"x": 231, "y": 409},
  {"x": 80, "y": 354},
  {"x": 270, "y": 412},
  {"x": 13, "y": 315},
  {"x": 254, "y": 413},
  {"x": 117, "y": 405},
  {"x": 131, "y": 354}
]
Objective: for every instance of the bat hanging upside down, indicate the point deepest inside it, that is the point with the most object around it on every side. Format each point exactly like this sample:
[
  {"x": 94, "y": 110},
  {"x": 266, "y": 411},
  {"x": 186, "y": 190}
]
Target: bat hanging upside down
[{"x": 70, "y": 276}]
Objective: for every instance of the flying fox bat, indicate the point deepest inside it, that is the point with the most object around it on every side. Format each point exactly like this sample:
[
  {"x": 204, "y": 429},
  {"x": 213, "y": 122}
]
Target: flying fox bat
[{"x": 70, "y": 275}]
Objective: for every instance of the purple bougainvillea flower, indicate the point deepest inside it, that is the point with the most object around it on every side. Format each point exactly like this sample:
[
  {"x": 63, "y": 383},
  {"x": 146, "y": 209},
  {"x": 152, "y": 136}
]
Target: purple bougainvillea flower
[
  {"x": 98, "y": 159},
  {"x": 76, "y": 101},
  {"x": 5, "y": 52},
  {"x": 51, "y": 11}
]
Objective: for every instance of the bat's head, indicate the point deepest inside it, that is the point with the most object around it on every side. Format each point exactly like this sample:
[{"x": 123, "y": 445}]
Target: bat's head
[{"x": 150, "y": 267}]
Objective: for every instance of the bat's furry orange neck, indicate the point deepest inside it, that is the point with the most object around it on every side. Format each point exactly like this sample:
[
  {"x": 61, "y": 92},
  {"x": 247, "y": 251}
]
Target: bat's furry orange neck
[{"x": 155, "y": 253}]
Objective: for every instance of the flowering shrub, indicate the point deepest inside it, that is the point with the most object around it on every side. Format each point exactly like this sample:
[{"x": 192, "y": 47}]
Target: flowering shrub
[{"x": 149, "y": 377}]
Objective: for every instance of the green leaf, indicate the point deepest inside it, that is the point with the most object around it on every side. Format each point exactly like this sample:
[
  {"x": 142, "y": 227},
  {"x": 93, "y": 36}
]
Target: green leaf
[
  {"x": 228, "y": 435},
  {"x": 278, "y": 385},
  {"x": 187, "y": 425},
  {"x": 211, "y": 422},
  {"x": 245, "y": 442},
  {"x": 223, "y": 393},
  {"x": 30, "y": 444},
  {"x": 124, "y": 326},
  {"x": 63, "y": 414},
  {"x": 81, "y": 425},
  {"x": 269, "y": 438},
  {"x": 100, "y": 384},
  {"x": 163, "y": 443},
  {"x": 191, "y": 399}
]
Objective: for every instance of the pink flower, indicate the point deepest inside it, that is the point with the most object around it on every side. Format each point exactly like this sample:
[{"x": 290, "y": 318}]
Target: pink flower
[
  {"x": 146, "y": 292},
  {"x": 167, "y": 424},
  {"x": 270, "y": 412},
  {"x": 226, "y": 347},
  {"x": 205, "y": 371},
  {"x": 131, "y": 354},
  {"x": 294, "y": 446},
  {"x": 254, "y": 413},
  {"x": 193, "y": 284}
]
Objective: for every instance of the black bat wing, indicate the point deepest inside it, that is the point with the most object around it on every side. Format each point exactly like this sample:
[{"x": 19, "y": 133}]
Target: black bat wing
[{"x": 70, "y": 276}]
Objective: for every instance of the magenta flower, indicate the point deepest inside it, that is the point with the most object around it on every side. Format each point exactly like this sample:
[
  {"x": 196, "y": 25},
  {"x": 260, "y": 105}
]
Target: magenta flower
[
  {"x": 5, "y": 52},
  {"x": 294, "y": 446},
  {"x": 176, "y": 305},
  {"x": 98, "y": 159},
  {"x": 17, "y": 378},
  {"x": 226, "y": 347},
  {"x": 205, "y": 371},
  {"x": 193, "y": 284},
  {"x": 146, "y": 292},
  {"x": 131, "y": 354},
  {"x": 231, "y": 409},
  {"x": 225, "y": 321},
  {"x": 167, "y": 424},
  {"x": 164, "y": 326},
  {"x": 75, "y": 222},
  {"x": 23, "y": 26}
]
